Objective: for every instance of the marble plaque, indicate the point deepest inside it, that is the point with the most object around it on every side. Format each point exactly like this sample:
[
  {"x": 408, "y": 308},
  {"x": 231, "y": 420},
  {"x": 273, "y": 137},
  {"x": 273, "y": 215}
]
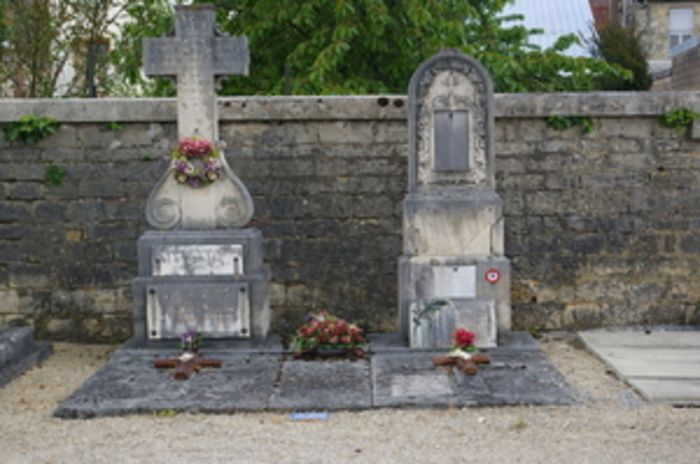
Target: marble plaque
[
  {"x": 197, "y": 260},
  {"x": 435, "y": 329},
  {"x": 454, "y": 281},
  {"x": 218, "y": 310}
]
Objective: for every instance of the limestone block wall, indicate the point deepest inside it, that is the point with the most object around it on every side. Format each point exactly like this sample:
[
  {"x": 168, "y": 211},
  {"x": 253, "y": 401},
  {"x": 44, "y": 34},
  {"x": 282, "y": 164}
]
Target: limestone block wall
[{"x": 602, "y": 228}]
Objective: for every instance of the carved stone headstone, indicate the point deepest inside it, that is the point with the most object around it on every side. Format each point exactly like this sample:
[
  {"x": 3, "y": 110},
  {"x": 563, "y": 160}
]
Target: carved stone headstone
[
  {"x": 208, "y": 273},
  {"x": 195, "y": 57},
  {"x": 453, "y": 272}
]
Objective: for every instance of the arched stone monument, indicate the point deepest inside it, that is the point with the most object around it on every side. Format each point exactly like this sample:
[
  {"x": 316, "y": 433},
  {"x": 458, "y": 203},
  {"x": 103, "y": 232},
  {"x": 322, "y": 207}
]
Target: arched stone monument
[{"x": 452, "y": 272}]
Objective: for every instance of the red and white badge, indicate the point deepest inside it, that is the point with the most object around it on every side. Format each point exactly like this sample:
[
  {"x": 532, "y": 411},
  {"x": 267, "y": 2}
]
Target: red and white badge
[{"x": 492, "y": 276}]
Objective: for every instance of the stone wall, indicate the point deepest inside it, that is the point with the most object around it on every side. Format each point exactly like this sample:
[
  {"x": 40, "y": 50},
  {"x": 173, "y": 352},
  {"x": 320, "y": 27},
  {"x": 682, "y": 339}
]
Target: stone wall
[{"x": 602, "y": 228}]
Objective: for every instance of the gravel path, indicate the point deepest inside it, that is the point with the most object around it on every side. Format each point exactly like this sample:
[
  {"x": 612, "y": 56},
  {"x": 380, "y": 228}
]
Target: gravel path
[{"x": 612, "y": 425}]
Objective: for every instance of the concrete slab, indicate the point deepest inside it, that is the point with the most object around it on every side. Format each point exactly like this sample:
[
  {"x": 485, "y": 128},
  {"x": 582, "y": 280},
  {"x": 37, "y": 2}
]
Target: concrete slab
[
  {"x": 323, "y": 385},
  {"x": 678, "y": 391},
  {"x": 662, "y": 365}
]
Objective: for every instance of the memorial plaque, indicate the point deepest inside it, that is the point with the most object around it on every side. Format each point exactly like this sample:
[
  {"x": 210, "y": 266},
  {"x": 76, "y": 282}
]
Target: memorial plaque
[
  {"x": 451, "y": 141},
  {"x": 454, "y": 281},
  {"x": 197, "y": 260},
  {"x": 435, "y": 329},
  {"x": 217, "y": 310}
]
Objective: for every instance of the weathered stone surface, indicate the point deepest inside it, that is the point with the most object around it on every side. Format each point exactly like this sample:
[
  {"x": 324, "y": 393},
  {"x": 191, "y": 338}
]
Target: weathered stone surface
[
  {"x": 19, "y": 352},
  {"x": 332, "y": 224},
  {"x": 263, "y": 379},
  {"x": 130, "y": 384},
  {"x": 226, "y": 203},
  {"x": 452, "y": 211},
  {"x": 513, "y": 377},
  {"x": 321, "y": 385},
  {"x": 661, "y": 363}
]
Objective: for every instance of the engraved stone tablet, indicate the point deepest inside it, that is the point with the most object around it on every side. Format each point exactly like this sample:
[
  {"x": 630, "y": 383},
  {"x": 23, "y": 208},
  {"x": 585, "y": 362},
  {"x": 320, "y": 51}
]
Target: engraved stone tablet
[
  {"x": 217, "y": 310},
  {"x": 197, "y": 260},
  {"x": 454, "y": 281},
  {"x": 435, "y": 330},
  {"x": 451, "y": 141}
]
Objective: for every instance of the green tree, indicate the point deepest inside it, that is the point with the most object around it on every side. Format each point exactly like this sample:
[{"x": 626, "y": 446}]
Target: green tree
[
  {"x": 370, "y": 46},
  {"x": 40, "y": 38},
  {"x": 619, "y": 45}
]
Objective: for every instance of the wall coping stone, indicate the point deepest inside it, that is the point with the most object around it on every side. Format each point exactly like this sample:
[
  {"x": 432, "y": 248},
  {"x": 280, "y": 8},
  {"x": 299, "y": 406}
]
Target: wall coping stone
[{"x": 362, "y": 107}]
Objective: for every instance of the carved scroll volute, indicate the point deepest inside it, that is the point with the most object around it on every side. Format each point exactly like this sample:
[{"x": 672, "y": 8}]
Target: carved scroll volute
[{"x": 224, "y": 204}]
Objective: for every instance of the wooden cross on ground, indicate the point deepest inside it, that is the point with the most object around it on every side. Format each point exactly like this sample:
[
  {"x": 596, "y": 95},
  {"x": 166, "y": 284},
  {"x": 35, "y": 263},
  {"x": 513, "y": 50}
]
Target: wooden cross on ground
[
  {"x": 195, "y": 57},
  {"x": 465, "y": 362},
  {"x": 186, "y": 364}
]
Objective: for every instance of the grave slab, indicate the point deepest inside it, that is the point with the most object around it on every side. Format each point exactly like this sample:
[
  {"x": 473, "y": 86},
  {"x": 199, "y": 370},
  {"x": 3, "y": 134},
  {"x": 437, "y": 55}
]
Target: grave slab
[
  {"x": 512, "y": 378},
  {"x": 129, "y": 384},
  {"x": 393, "y": 376},
  {"x": 323, "y": 385},
  {"x": 19, "y": 352},
  {"x": 663, "y": 365}
]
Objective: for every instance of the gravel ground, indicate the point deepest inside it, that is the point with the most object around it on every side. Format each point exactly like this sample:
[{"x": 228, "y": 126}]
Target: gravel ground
[{"x": 612, "y": 425}]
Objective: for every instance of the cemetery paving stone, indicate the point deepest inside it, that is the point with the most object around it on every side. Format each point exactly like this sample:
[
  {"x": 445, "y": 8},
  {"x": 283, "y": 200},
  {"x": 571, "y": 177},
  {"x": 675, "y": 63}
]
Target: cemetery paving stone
[
  {"x": 661, "y": 363},
  {"x": 320, "y": 385},
  {"x": 393, "y": 376}
]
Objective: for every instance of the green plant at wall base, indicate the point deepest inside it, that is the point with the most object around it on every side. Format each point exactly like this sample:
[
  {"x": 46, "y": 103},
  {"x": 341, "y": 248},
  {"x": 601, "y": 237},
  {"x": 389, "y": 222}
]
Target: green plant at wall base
[
  {"x": 114, "y": 126},
  {"x": 680, "y": 118},
  {"x": 54, "y": 174},
  {"x": 566, "y": 122},
  {"x": 30, "y": 128}
]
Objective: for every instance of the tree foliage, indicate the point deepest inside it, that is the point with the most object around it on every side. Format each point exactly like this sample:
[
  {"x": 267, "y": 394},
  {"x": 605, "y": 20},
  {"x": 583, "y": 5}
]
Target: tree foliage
[
  {"x": 369, "y": 46},
  {"x": 40, "y": 38},
  {"x": 619, "y": 45}
]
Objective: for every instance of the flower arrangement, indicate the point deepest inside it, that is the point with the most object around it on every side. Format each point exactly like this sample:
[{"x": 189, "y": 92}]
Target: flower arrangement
[
  {"x": 191, "y": 341},
  {"x": 464, "y": 354},
  {"x": 463, "y": 340},
  {"x": 196, "y": 162},
  {"x": 326, "y": 331}
]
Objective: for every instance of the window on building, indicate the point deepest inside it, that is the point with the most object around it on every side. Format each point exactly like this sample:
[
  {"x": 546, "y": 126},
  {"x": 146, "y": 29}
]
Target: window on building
[{"x": 680, "y": 26}]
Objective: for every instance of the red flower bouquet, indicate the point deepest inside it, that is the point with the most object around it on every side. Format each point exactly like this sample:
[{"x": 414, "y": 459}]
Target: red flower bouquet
[
  {"x": 463, "y": 340},
  {"x": 326, "y": 331}
]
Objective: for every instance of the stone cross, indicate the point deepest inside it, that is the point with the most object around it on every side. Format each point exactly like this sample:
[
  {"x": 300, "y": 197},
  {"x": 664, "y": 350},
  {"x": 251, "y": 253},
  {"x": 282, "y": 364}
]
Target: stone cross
[{"x": 195, "y": 57}]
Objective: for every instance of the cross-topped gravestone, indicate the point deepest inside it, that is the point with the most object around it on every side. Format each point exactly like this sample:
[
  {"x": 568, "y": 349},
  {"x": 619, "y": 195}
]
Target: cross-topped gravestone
[
  {"x": 202, "y": 269},
  {"x": 196, "y": 56}
]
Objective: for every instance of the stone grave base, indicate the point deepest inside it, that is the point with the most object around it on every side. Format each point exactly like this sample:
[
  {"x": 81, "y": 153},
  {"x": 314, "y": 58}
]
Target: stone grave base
[
  {"x": 19, "y": 352},
  {"x": 267, "y": 379}
]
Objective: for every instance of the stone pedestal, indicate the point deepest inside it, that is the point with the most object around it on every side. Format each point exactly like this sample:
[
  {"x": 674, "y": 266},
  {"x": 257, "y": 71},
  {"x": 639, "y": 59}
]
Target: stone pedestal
[
  {"x": 213, "y": 281},
  {"x": 453, "y": 273}
]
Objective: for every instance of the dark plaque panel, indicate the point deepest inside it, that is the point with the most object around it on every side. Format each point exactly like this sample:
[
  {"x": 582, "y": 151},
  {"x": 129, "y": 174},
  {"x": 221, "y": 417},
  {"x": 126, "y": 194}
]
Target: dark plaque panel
[{"x": 451, "y": 141}]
